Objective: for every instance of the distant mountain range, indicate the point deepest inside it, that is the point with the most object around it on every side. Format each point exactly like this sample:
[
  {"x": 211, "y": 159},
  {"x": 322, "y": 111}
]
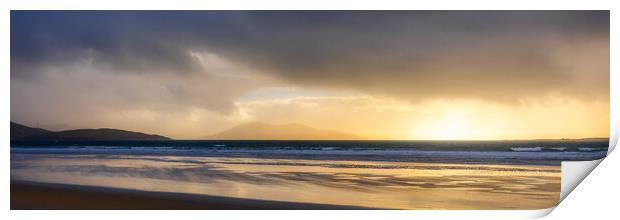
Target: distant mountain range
[
  {"x": 264, "y": 131},
  {"x": 25, "y": 133}
]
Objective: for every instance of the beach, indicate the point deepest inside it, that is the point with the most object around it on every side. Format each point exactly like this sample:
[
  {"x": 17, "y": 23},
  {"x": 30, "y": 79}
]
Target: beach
[
  {"x": 96, "y": 181},
  {"x": 32, "y": 195}
]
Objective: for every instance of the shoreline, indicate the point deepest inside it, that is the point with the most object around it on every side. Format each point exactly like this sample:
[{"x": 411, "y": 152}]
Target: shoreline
[
  {"x": 324, "y": 157},
  {"x": 28, "y": 195}
]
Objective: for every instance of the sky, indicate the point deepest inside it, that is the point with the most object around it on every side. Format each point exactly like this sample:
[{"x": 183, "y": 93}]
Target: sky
[{"x": 423, "y": 75}]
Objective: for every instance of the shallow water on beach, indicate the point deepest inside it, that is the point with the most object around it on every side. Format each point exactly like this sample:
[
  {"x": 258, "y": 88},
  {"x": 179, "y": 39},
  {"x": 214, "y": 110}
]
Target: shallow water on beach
[{"x": 376, "y": 184}]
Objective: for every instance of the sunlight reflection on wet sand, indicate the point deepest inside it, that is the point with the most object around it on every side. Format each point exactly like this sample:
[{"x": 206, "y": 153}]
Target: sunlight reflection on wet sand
[{"x": 400, "y": 185}]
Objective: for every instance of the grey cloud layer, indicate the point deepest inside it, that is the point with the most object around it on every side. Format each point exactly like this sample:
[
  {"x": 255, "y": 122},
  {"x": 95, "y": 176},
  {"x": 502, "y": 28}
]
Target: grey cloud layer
[{"x": 490, "y": 55}]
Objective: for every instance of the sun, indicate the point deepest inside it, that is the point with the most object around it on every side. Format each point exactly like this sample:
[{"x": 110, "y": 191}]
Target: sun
[{"x": 448, "y": 127}]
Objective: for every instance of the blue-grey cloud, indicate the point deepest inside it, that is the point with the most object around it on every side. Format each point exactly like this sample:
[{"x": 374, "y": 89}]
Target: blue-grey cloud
[{"x": 490, "y": 55}]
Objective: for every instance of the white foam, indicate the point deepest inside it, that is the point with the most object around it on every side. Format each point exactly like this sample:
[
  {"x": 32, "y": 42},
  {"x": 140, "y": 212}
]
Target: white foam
[{"x": 526, "y": 149}]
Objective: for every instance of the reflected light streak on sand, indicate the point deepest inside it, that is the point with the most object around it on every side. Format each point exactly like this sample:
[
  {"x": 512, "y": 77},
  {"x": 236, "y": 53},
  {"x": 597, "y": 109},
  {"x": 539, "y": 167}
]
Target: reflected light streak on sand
[{"x": 401, "y": 185}]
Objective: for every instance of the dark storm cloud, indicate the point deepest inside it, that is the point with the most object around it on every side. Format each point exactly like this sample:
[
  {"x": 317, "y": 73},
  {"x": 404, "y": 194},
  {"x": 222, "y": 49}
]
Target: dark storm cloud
[{"x": 493, "y": 55}]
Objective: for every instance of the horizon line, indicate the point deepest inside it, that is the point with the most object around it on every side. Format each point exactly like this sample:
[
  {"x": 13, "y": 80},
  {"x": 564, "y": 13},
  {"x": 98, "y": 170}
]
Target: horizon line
[{"x": 523, "y": 139}]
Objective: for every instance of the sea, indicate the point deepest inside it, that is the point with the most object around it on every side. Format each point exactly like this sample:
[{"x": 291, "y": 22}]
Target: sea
[{"x": 504, "y": 152}]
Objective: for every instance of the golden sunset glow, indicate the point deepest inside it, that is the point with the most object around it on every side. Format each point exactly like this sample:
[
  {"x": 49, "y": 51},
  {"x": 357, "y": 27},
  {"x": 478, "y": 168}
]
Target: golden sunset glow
[{"x": 451, "y": 127}]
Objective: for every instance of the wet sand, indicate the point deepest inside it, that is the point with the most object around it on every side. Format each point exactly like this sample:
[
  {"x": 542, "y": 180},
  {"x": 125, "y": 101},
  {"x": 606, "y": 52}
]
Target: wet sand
[
  {"x": 31, "y": 195},
  {"x": 337, "y": 184}
]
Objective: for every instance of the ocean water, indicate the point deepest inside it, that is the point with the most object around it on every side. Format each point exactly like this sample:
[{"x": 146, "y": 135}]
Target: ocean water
[
  {"x": 376, "y": 174},
  {"x": 504, "y": 152}
]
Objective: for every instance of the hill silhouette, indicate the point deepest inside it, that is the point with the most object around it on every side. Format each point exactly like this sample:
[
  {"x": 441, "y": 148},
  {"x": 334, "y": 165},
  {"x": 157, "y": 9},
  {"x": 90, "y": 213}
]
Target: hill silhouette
[
  {"x": 265, "y": 131},
  {"x": 20, "y": 131},
  {"x": 25, "y": 133}
]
